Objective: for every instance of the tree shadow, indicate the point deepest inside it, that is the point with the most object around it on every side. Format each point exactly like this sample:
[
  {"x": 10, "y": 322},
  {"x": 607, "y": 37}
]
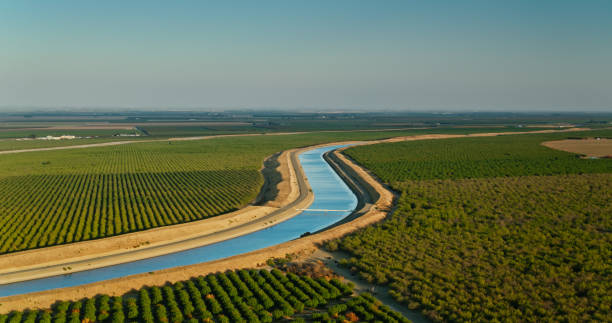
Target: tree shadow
[{"x": 272, "y": 177}]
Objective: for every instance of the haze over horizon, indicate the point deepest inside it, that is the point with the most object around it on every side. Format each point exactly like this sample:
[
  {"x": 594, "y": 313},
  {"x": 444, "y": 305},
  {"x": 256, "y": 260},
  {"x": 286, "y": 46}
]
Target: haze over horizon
[{"x": 315, "y": 55}]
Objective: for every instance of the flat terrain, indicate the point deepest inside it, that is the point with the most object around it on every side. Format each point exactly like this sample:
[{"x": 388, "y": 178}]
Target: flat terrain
[
  {"x": 323, "y": 137},
  {"x": 19, "y": 147},
  {"x": 303, "y": 245},
  {"x": 19, "y": 132},
  {"x": 233, "y": 296},
  {"x": 64, "y": 196},
  {"x": 481, "y": 156},
  {"x": 13, "y": 145},
  {"x": 486, "y": 229},
  {"x": 588, "y": 147},
  {"x": 294, "y": 193},
  {"x": 99, "y": 192}
]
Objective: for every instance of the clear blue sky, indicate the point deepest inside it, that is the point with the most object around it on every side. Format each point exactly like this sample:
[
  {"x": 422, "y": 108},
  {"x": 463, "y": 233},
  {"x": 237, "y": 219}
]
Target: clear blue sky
[{"x": 535, "y": 54}]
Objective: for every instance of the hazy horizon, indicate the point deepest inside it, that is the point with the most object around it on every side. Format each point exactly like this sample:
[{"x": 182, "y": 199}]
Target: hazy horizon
[
  {"x": 93, "y": 109},
  {"x": 520, "y": 56}
]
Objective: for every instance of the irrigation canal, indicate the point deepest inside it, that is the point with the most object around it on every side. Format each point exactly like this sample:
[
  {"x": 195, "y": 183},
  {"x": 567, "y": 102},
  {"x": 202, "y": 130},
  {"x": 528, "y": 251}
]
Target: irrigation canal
[{"x": 330, "y": 193}]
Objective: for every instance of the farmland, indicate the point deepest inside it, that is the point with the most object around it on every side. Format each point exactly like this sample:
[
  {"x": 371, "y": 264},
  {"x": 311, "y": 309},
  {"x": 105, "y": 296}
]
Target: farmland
[
  {"x": 163, "y": 132},
  {"x": 476, "y": 158},
  {"x": 42, "y": 132},
  {"x": 521, "y": 235},
  {"x": 234, "y": 296},
  {"x": 55, "y": 197},
  {"x": 164, "y": 124},
  {"x": 594, "y": 147},
  {"x": 92, "y": 193},
  {"x": 12, "y": 144}
]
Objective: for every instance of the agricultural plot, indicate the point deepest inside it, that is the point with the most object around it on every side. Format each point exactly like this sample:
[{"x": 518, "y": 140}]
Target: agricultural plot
[
  {"x": 54, "y": 197},
  {"x": 476, "y": 158},
  {"x": 197, "y": 130},
  {"x": 186, "y": 131},
  {"x": 594, "y": 147},
  {"x": 43, "y": 132},
  {"x": 161, "y": 132},
  {"x": 491, "y": 248},
  {"x": 235, "y": 296},
  {"x": 60, "y": 197},
  {"x": 12, "y": 144}
]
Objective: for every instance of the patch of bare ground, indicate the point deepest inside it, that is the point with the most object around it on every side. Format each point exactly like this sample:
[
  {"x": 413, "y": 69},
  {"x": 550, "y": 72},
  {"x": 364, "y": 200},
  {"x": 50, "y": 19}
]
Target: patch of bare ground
[
  {"x": 591, "y": 147},
  {"x": 279, "y": 180}
]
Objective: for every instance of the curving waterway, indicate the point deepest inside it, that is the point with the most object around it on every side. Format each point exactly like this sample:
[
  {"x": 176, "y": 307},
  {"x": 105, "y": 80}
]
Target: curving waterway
[{"x": 330, "y": 193}]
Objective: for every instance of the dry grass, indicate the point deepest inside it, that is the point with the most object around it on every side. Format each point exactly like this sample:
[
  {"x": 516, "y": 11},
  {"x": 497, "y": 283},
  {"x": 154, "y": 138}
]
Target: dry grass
[{"x": 591, "y": 147}]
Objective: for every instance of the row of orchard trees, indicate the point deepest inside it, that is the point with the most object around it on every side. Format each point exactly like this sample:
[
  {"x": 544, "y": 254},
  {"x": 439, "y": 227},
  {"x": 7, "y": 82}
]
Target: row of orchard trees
[
  {"x": 235, "y": 296},
  {"x": 45, "y": 210},
  {"x": 363, "y": 308}
]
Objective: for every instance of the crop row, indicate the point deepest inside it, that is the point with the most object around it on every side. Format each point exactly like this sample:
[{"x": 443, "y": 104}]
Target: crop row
[
  {"x": 83, "y": 207},
  {"x": 363, "y": 308},
  {"x": 235, "y": 296}
]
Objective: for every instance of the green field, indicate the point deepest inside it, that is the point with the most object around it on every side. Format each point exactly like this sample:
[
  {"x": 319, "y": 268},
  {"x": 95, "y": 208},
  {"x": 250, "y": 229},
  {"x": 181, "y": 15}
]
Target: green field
[
  {"x": 315, "y": 126},
  {"x": 55, "y": 197},
  {"x": 522, "y": 235},
  {"x": 476, "y": 157},
  {"x": 12, "y": 144},
  {"x": 164, "y": 132},
  {"x": 194, "y": 130},
  {"x": 6, "y": 133},
  {"x": 251, "y": 296}
]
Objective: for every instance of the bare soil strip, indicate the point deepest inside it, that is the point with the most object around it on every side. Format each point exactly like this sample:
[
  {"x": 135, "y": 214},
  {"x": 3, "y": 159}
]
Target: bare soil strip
[{"x": 588, "y": 147}]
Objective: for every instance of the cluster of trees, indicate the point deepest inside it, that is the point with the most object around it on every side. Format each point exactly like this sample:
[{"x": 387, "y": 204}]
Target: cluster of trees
[
  {"x": 234, "y": 296},
  {"x": 477, "y": 157},
  {"x": 491, "y": 229},
  {"x": 532, "y": 248},
  {"x": 363, "y": 308}
]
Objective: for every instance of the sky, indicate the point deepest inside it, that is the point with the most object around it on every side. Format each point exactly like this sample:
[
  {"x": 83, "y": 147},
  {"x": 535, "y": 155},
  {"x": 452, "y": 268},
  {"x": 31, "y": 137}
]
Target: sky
[{"x": 325, "y": 55}]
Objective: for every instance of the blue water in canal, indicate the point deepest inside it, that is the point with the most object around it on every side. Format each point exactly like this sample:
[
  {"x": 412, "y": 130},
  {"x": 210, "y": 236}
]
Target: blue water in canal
[{"x": 330, "y": 193}]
